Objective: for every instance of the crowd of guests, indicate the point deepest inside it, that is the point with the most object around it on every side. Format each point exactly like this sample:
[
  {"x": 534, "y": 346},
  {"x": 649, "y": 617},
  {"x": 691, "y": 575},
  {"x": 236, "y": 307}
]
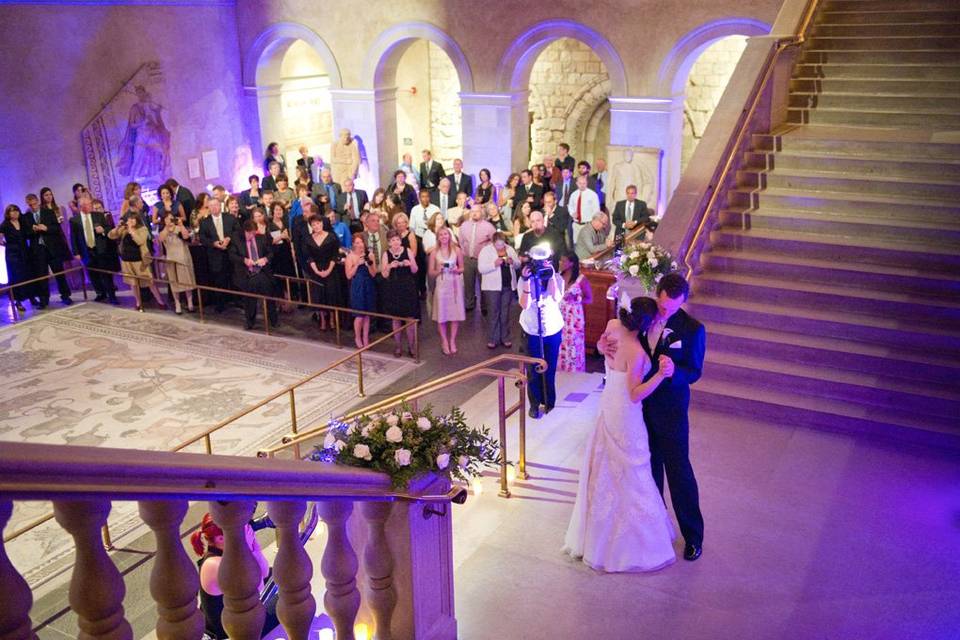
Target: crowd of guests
[{"x": 452, "y": 240}]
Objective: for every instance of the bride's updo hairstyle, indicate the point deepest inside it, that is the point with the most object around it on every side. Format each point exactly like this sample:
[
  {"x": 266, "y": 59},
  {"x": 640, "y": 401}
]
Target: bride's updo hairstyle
[{"x": 640, "y": 316}]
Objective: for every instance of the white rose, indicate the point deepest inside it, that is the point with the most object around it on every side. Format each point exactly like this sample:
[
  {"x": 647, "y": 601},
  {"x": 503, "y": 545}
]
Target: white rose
[
  {"x": 634, "y": 270},
  {"x": 402, "y": 457},
  {"x": 393, "y": 420},
  {"x": 651, "y": 255},
  {"x": 635, "y": 254},
  {"x": 365, "y": 432},
  {"x": 394, "y": 434},
  {"x": 423, "y": 423},
  {"x": 352, "y": 429},
  {"x": 329, "y": 440},
  {"x": 673, "y": 265},
  {"x": 362, "y": 451},
  {"x": 443, "y": 460},
  {"x": 463, "y": 461},
  {"x": 406, "y": 416},
  {"x": 376, "y": 417},
  {"x": 653, "y": 263},
  {"x": 339, "y": 445}
]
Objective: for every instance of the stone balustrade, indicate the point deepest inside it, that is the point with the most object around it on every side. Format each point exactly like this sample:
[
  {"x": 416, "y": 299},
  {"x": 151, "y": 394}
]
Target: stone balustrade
[{"x": 387, "y": 529}]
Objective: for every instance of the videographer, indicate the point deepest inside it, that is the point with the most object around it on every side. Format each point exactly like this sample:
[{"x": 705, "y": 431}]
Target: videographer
[{"x": 541, "y": 290}]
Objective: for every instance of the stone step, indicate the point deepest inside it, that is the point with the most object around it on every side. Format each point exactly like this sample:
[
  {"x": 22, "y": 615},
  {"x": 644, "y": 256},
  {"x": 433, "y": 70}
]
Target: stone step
[
  {"x": 895, "y": 333},
  {"x": 889, "y": 71},
  {"x": 872, "y": 55},
  {"x": 861, "y": 165},
  {"x": 850, "y": 141},
  {"x": 843, "y": 249},
  {"x": 932, "y": 313},
  {"x": 951, "y": 14},
  {"x": 822, "y": 380},
  {"x": 866, "y": 205},
  {"x": 880, "y": 86},
  {"x": 887, "y": 29},
  {"x": 828, "y": 223},
  {"x": 887, "y": 6},
  {"x": 818, "y": 413},
  {"x": 937, "y": 374},
  {"x": 913, "y": 42},
  {"x": 875, "y": 118},
  {"x": 816, "y": 181},
  {"x": 918, "y": 102},
  {"x": 867, "y": 277}
]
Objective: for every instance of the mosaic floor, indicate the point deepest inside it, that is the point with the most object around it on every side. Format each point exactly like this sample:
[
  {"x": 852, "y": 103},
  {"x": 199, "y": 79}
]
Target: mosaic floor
[{"x": 99, "y": 376}]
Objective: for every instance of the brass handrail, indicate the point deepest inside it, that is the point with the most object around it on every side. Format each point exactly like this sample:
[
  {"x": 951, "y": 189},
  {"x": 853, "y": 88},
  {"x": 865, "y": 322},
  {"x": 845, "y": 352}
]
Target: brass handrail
[
  {"x": 733, "y": 151},
  {"x": 480, "y": 369}
]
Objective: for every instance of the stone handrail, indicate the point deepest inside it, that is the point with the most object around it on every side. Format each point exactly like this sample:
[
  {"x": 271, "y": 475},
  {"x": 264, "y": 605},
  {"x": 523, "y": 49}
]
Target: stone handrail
[
  {"x": 755, "y": 100},
  {"x": 82, "y": 483}
]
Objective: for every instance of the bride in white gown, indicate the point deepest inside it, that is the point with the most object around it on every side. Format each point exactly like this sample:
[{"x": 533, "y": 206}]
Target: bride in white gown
[{"x": 619, "y": 521}]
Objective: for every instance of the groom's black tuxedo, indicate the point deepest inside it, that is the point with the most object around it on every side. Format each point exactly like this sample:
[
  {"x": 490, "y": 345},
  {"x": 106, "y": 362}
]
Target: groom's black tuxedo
[{"x": 665, "y": 412}]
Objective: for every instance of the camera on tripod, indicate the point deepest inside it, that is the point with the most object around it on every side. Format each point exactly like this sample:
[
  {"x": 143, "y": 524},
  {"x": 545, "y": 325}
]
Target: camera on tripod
[{"x": 541, "y": 265}]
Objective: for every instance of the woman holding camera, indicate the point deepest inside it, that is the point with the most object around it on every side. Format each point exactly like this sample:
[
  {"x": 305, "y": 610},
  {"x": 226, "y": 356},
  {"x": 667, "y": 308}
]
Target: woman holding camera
[
  {"x": 360, "y": 266},
  {"x": 175, "y": 236},
  {"x": 541, "y": 290}
]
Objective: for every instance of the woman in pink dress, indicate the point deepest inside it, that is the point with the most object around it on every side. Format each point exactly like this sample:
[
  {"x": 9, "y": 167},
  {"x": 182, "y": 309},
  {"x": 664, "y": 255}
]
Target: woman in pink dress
[
  {"x": 446, "y": 265},
  {"x": 577, "y": 292}
]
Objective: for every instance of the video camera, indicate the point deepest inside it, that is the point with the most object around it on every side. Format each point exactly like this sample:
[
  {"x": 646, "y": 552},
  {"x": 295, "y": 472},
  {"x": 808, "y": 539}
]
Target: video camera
[{"x": 541, "y": 264}]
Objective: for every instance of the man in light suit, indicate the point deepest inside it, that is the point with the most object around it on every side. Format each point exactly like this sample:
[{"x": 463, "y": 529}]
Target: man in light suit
[
  {"x": 217, "y": 232},
  {"x": 431, "y": 172},
  {"x": 459, "y": 181}
]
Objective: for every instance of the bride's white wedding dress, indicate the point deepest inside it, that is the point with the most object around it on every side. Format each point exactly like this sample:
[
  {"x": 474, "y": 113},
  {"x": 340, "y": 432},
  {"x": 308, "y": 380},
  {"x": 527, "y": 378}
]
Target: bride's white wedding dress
[{"x": 619, "y": 521}]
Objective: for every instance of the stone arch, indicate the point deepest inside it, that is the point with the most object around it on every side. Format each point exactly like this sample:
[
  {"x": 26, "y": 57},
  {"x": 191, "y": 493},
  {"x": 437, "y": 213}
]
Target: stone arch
[
  {"x": 261, "y": 64},
  {"x": 381, "y": 60},
  {"x": 513, "y": 73},
  {"x": 579, "y": 113},
  {"x": 593, "y": 127},
  {"x": 672, "y": 77}
]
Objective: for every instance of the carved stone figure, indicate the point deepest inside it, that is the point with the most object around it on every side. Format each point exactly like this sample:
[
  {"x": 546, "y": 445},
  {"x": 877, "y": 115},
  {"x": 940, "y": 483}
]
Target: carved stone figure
[
  {"x": 627, "y": 172},
  {"x": 345, "y": 160}
]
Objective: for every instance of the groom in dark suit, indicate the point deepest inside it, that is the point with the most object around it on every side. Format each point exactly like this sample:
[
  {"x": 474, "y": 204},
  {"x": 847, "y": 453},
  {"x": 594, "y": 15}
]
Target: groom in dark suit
[{"x": 678, "y": 336}]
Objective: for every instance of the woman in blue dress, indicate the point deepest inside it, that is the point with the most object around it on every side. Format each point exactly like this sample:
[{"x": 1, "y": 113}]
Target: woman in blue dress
[{"x": 359, "y": 265}]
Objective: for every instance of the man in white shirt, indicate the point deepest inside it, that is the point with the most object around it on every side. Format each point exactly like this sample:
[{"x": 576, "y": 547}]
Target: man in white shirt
[
  {"x": 461, "y": 182},
  {"x": 583, "y": 204},
  {"x": 419, "y": 216}
]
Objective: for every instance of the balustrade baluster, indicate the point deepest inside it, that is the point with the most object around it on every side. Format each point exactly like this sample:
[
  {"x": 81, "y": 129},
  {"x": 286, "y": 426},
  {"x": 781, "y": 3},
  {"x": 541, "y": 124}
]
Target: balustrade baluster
[
  {"x": 17, "y": 598},
  {"x": 378, "y": 562},
  {"x": 292, "y": 570},
  {"x": 96, "y": 587},
  {"x": 239, "y": 575},
  {"x": 173, "y": 581},
  {"x": 339, "y": 567}
]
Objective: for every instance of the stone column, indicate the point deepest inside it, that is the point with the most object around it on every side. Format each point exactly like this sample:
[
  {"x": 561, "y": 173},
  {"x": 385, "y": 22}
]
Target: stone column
[
  {"x": 495, "y": 133},
  {"x": 651, "y": 122},
  {"x": 371, "y": 115},
  {"x": 270, "y": 108}
]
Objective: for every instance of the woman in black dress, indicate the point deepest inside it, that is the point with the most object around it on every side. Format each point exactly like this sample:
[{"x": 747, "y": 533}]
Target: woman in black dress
[
  {"x": 398, "y": 266},
  {"x": 485, "y": 188},
  {"x": 17, "y": 259},
  {"x": 282, "y": 264},
  {"x": 323, "y": 254}
]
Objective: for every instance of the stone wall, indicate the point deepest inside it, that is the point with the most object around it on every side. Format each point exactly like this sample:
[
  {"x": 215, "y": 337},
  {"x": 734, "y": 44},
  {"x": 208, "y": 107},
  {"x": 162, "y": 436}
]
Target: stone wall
[
  {"x": 446, "y": 133},
  {"x": 705, "y": 85},
  {"x": 568, "y": 84}
]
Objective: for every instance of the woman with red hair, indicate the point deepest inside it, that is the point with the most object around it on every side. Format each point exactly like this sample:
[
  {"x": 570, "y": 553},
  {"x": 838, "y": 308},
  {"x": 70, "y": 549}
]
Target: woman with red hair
[{"x": 207, "y": 542}]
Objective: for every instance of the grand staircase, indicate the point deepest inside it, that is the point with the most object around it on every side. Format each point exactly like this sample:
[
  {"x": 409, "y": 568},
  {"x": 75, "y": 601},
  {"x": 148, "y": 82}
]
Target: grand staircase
[{"x": 831, "y": 291}]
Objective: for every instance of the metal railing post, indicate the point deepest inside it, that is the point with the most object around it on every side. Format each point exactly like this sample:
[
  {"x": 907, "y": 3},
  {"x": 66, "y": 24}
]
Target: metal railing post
[
  {"x": 360, "y": 374},
  {"x": 13, "y": 305},
  {"x": 266, "y": 317},
  {"x": 107, "y": 540},
  {"x": 416, "y": 343},
  {"x": 293, "y": 411},
  {"x": 522, "y": 433},
  {"x": 208, "y": 443},
  {"x": 200, "y": 302},
  {"x": 502, "y": 417},
  {"x": 84, "y": 274},
  {"x": 336, "y": 324}
]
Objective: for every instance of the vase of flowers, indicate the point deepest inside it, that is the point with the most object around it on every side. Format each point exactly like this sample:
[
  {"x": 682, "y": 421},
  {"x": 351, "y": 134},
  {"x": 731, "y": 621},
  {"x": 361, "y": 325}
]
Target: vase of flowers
[
  {"x": 639, "y": 268},
  {"x": 407, "y": 444}
]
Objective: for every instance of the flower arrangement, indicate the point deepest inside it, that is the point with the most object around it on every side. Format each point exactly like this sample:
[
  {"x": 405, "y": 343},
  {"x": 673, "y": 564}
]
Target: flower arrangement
[
  {"x": 405, "y": 444},
  {"x": 647, "y": 262}
]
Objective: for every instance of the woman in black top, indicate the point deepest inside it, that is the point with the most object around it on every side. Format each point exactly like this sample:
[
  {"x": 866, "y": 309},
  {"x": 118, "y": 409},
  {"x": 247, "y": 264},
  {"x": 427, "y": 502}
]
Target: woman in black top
[
  {"x": 398, "y": 266},
  {"x": 17, "y": 259},
  {"x": 322, "y": 255},
  {"x": 485, "y": 188},
  {"x": 279, "y": 232}
]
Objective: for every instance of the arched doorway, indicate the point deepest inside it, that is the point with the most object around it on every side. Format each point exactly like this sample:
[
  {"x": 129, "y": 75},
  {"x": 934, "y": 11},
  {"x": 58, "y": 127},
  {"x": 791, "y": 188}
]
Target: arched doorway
[
  {"x": 705, "y": 84},
  {"x": 428, "y": 106},
  {"x": 584, "y": 111},
  {"x": 569, "y": 91},
  {"x": 291, "y": 71},
  {"x": 417, "y": 72}
]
